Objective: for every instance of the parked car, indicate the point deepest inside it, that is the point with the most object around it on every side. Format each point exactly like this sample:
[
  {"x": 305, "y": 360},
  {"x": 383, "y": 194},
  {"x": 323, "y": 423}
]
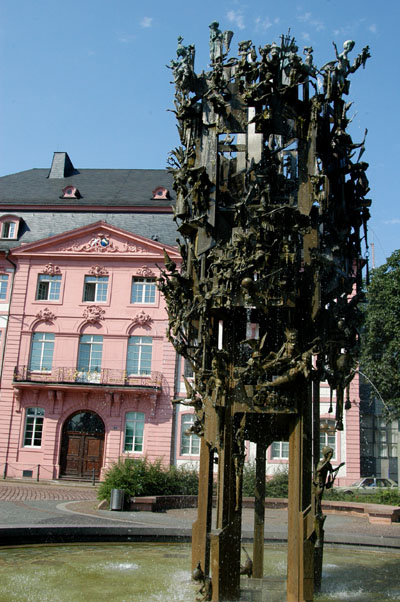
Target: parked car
[{"x": 368, "y": 485}]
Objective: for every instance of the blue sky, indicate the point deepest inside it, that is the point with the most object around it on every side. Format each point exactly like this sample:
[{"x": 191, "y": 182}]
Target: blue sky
[{"x": 89, "y": 77}]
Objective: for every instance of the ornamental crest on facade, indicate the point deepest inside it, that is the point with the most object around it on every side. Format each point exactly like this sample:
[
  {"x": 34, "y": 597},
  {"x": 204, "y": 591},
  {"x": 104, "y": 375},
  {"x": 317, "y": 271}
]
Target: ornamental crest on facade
[
  {"x": 98, "y": 270},
  {"x": 94, "y": 313},
  {"x": 51, "y": 270},
  {"x": 101, "y": 243},
  {"x": 145, "y": 272},
  {"x": 142, "y": 319},
  {"x": 46, "y": 315}
]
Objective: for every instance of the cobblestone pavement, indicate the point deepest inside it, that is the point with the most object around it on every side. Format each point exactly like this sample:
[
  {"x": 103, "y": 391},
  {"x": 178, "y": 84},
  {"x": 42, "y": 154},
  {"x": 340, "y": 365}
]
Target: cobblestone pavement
[{"x": 14, "y": 491}]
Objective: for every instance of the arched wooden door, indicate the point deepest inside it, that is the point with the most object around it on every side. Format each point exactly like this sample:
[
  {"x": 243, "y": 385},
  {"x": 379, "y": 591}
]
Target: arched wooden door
[{"x": 82, "y": 445}]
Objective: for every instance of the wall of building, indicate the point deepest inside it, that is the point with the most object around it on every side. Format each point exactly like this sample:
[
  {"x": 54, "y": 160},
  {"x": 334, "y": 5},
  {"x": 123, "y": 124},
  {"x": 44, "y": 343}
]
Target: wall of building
[{"x": 67, "y": 318}]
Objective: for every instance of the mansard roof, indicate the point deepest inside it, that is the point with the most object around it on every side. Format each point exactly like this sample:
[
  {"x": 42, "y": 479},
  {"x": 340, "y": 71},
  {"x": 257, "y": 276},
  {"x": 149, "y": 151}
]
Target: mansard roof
[
  {"x": 36, "y": 225},
  {"x": 123, "y": 198},
  {"x": 100, "y": 187}
]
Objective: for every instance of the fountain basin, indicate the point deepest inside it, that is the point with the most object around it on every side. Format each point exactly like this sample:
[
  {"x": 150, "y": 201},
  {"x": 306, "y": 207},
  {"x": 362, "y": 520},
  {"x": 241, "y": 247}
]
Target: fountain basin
[{"x": 153, "y": 572}]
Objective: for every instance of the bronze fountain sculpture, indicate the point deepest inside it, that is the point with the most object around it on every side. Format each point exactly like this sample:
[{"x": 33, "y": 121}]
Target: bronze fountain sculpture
[{"x": 271, "y": 209}]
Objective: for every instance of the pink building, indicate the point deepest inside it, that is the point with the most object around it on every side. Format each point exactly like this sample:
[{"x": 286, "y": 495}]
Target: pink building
[{"x": 87, "y": 373}]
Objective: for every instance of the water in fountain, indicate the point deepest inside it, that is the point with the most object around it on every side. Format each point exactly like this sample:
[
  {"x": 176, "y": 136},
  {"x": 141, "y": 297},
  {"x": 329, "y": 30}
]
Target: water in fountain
[{"x": 159, "y": 572}]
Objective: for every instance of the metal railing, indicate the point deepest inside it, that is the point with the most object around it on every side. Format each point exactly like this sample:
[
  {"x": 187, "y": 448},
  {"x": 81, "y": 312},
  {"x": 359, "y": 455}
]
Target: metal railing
[{"x": 104, "y": 376}]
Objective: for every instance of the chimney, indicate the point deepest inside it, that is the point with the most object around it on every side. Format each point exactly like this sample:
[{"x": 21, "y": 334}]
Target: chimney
[{"x": 61, "y": 166}]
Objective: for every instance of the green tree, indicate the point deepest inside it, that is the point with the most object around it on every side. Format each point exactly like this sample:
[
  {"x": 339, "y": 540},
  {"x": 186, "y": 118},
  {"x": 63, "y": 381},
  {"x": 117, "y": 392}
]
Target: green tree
[{"x": 380, "y": 342}]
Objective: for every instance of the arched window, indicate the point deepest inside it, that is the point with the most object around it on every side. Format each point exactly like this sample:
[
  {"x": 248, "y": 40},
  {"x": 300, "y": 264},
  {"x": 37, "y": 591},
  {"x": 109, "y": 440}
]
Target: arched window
[
  {"x": 42, "y": 349},
  {"x": 9, "y": 226},
  {"x": 90, "y": 352},
  {"x": 139, "y": 355}
]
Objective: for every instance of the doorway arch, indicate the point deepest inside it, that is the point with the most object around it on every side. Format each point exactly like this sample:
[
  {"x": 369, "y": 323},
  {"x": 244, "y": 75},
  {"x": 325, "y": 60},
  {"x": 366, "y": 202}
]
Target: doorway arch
[{"x": 82, "y": 445}]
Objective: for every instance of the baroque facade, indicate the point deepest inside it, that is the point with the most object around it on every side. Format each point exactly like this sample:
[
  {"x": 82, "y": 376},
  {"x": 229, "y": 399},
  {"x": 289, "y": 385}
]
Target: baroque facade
[{"x": 87, "y": 372}]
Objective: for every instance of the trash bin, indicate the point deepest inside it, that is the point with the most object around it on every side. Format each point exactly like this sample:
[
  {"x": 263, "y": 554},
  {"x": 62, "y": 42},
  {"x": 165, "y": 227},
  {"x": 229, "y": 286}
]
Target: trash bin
[{"x": 117, "y": 499}]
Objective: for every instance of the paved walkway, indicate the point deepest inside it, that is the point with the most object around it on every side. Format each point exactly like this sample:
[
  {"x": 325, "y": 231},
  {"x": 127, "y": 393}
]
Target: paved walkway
[
  {"x": 52, "y": 505},
  {"x": 20, "y": 491}
]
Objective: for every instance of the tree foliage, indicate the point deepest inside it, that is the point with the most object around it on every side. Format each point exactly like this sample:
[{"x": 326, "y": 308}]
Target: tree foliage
[{"x": 380, "y": 343}]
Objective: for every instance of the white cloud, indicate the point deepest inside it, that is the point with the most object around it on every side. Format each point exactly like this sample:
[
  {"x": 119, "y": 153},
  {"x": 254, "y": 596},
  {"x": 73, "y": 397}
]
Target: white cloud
[
  {"x": 263, "y": 24},
  {"x": 392, "y": 222},
  {"x": 146, "y": 22},
  {"x": 308, "y": 18},
  {"x": 236, "y": 18},
  {"x": 304, "y": 18},
  {"x": 305, "y": 36},
  {"x": 125, "y": 39},
  {"x": 372, "y": 28}
]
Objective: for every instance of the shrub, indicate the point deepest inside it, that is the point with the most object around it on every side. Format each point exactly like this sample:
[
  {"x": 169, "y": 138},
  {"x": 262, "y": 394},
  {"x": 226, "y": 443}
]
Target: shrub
[
  {"x": 390, "y": 498},
  {"x": 249, "y": 479},
  {"x": 124, "y": 474},
  {"x": 141, "y": 477},
  {"x": 183, "y": 480},
  {"x": 277, "y": 486}
]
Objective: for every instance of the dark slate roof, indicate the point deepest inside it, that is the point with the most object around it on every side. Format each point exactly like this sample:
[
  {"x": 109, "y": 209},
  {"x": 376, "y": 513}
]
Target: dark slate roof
[
  {"x": 106, "y": 194},
  {"x": 39, "y": 225},
  {"x": 100, "y": 187}
]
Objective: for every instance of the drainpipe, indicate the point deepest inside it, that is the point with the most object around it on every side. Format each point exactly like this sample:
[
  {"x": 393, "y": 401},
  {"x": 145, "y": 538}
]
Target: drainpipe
[{"x": 3, "y": 353}]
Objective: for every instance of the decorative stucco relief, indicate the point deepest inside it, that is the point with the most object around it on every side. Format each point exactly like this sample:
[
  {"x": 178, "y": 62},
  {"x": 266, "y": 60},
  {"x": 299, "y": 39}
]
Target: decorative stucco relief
[
  {"x": 94, "y": 314},
  {"x": 145, "y": 271},
  {"x": 142, "y": 319},
  {"x": 101, "y": 243},
  {"x": 98, "y": 270},
  {"x": 51, "y": 270},
  {"x": 46, "y": 314}
]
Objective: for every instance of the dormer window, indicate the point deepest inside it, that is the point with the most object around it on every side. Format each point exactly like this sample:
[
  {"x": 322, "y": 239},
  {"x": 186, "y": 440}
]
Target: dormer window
[
  {"x": 9, "y": 226},
  {"x": 70, "y": 192},
  {"x": 8, "y": 230},
  {"x": 160, "y": 193}
]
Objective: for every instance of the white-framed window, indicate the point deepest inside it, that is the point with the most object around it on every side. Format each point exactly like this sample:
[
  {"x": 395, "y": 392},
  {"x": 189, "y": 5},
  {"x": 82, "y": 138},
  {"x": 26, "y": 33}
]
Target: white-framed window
[
  {"x": 8, "y": 229},
  {"x": 95, "y": 288},
  {"x": 139, "y": 355},
  {"x": 280, "y": 450},
  {"x": 33, "y": 427},
  {"x": 385, "y": 438},
  {"x": 90, "y": 353},
  {"x": 48, "y": 287},
  {"x": 327, "y": 435},
  {"x": 134, "y": 428},
  {"x": 187, "y": 369},
  {"x": 3, "y": 286},
  {"x": 190, "y": 443},
  {"x": 42, "y": 348},
  {"x": 143, "y": 290}
]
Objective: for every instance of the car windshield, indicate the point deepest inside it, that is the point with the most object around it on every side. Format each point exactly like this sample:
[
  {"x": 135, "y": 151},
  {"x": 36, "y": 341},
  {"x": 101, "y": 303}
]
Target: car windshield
[{"x": 357, "y": 483}]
